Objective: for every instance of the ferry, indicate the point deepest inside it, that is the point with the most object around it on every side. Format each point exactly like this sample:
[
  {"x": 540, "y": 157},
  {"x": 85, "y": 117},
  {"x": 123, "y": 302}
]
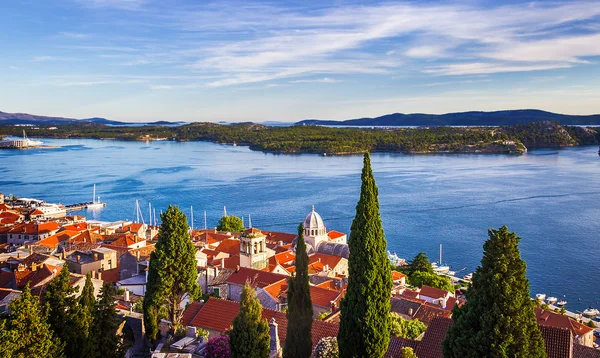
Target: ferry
[{"x": 19, "y": 143}]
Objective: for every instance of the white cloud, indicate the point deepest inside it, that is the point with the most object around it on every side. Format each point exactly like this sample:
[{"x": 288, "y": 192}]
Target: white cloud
[
  {"x": 488, "y": 68},
  {"x": 52, "y": 58},
  {"x": 74, "y": 35},
  {"x": 318, "y": 80}
]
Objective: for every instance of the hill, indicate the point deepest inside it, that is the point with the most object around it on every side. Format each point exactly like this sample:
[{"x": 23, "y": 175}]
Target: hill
[
  {"x": 497, "y": 118},
  {"x": 26, "y": 118}
]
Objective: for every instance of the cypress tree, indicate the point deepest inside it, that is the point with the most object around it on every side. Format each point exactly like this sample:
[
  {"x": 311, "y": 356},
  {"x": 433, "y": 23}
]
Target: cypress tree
[
  {"x": 298, "y": 343},
  {"x": 64, "y": 314},
  {"x": 172, "y": 273},
  {"x": 87, "y": 300},
  {"x": 85, "y": 315},
  {"x": 364, "y": 323},
  {"x": 249, "y": 337},
  {"x": 26, "y": 333},
  {"x": 105, "y": 341},
  {"x": 498, "y": 319}
]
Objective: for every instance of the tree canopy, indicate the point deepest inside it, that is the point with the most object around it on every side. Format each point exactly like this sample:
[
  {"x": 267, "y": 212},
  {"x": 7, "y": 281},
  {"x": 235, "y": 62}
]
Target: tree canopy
[
  {"x": 298, "y": 343},
  {"x": 249, "y": 337},
  {"x": 430, "y": 279},
  {"x": 404, "y": 328},
  {"x": 498, "y": 318},
  {"x": 172, "y": 273},
  {"x": 105, "y": 340},
  {"x": 420, "y": 263},
  {"x": 364, "y": 323},
  {"x": 230, "y": 223}
]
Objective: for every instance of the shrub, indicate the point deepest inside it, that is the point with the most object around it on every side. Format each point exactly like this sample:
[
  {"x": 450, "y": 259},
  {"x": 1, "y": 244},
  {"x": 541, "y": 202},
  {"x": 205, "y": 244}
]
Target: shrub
[{"x": 326, "y": 348}]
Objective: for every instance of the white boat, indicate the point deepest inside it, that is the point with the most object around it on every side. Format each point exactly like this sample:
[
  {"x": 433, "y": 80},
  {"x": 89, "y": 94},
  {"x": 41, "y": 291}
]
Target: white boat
[
  {"x": 468, "y": 277},
  {"x": 590, "y": 312},
  {"x": 96, "y": 203},
  {"x": 561, "y": 303},
  {"x": 440, "y": 268},
  {"x": 552, "y": 300},
  {"x": 451, "y": 273},
  {"x": 540, "y": 296}
]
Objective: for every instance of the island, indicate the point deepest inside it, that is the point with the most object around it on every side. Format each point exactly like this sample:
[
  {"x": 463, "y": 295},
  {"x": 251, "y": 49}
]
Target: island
[{"x": 324, "y": 140}]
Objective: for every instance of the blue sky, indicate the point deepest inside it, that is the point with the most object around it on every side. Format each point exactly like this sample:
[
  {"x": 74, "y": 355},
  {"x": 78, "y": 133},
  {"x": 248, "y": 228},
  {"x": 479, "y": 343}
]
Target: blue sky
[{"x": 141, "y": 60}]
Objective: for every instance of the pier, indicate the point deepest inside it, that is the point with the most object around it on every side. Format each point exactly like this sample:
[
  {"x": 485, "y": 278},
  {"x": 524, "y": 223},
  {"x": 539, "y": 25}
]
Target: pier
[{"x": 86, "y": 205}]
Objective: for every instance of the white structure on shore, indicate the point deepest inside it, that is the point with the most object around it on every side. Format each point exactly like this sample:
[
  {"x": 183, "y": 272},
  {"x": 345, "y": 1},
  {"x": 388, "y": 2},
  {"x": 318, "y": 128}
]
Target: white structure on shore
[
  {"x": 19, "y": 143},
  {"x": 318, "y": 240}
]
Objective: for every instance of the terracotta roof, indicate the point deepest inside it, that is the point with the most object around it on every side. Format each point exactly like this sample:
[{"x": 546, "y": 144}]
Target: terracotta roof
[
  {"x": 404, "y": 306},
  {"x": 6, "y": 291},
  {"x": 335, "y": 234},
  {"x": 396, "y": 345},
  {"x": 315, "y": 268},
  {"x": 551, "y": 319},
  {"x": 277, "y": 289},
  {"x": 126, "y": 240},
  {"x": 134, "y": 227},
  {"x": 322, "y": 297},
  {"x": 35, "y": 277},
  {"x": 431, "y": 344},
  {"x": 558, "y": 341},
  {"x": 7, "y": 279},
  {"x": 209, "y": 237},
  {"x": 433, "y": 292},
  {"x": 52, "y": 242},
  {"x": 221, "y": 277},
  {"x": 257, "y": 277},
  {"x": 580, "y": 351},
  {"x": 31, "y": 228},
  {"x": 218, "y": 315},
  {"x": 230, "y": 246},
  {"x": 330, "y": 260},
  {"x": 410, "y": 294},
  {"x": 396, "y": 276},
  {"x": 80, "y": 226},
  {"x": 429, "y": 312},
  {"x": 35, "y": 258},
  {"x": 143, "y": 251},
  {"x": 226, "y": 262},
  {"x": 285, "y": 258},
  {"x": 276, "y": 237},
  {"x": 332, "y": 285},
  {"x": 112, "y": 275},
  {"x": 37, "y": 212},
  {"x": 191, "y": 312}
]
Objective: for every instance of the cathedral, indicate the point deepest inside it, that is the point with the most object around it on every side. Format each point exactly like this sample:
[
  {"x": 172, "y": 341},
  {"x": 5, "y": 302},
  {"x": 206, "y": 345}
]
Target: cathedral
[{"x": 318, "y": 240}]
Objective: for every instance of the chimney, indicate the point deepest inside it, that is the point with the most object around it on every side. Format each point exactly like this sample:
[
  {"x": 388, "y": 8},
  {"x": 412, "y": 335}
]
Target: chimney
[
  {"x": 222, "y": 263},
  {"x": 126, "y": 295},
  {"x": 275, "y": 347},
  {"x": 78, "y": 259},
  {"x": 99, "y": 275},
  {"x": 443, "y": 301},
  {"x": 137, "y": 255},
  {"x": 410, "y": 311},
  {"x": 95, "y": 257},
  {"x": 33, "y": 267}
]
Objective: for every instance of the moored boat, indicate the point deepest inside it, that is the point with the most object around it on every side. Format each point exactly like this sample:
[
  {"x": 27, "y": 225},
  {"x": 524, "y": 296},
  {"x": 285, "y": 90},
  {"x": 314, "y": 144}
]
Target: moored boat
[
  {"x": 552, "y": 300},
  {"x": 590, "y": 312},
  {"x": 561, "y": 303},
  {"x": 540, "y": 296}
]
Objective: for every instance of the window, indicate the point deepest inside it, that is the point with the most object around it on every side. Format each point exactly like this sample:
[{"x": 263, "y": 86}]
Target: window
[
  {"x": 217, "y": 291},
  {"x": 109, "y": 264}
]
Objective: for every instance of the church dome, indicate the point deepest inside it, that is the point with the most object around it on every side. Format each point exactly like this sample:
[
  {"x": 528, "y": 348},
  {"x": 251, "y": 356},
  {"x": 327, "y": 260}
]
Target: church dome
[{"x": 313, "y": 220}]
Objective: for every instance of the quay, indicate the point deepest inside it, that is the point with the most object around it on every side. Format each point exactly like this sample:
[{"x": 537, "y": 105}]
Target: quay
[{"x": 86, "y": 205}]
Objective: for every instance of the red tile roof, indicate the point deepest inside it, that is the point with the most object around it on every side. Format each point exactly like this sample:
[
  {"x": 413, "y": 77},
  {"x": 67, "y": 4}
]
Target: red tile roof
[
  {"x": 256, "y": 277},
  {"x": 433, "y": 292},
  {"x": 52, "y": 242},
  {"x": 31, "y": 228},
  {"x": 276, "y": 237},
  {"x": 229, "y": 246},
  {"x": 286, "y": 258},
  {"x": 80, "y": 226},
  {"x": 112, "y": 275},
  {"x": 396, "y": 276},
  {"x": 35, "y": 277},
  {"x": 191, "y": 312},
  {"x": 335, "y": 234},
  {"x": 330, "y": 260},
  {"x": 218, "y": 315},
  {"x": 431, "y": 344},
  {"x": 551, "y": 319},
  {"x": 558, "y": 341},
  {"x": 323, "y": 297},
  {"x": 580, "y": 351},
  {"x": 396, "y": 345},
  {"x": 277, "y": 289}
]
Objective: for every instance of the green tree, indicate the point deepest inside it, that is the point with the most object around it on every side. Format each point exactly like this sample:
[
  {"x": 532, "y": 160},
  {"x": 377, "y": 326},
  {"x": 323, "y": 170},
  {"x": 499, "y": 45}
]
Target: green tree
[
  {"x": 403, "y": 328},
  {"x": 420, "y": 263},
  {"x": 85, "y": 314},
  {"x": 65, "y": 316},
  {"x": 298, "y": 343},
  {"x": 364, "y": 324},
  {"x": 498, "y": 319},
  {"x": 430, "y": 279},
  {"x": 230, "y": 223},
  {"x": 407, "y": 352},
  {"x": 172, "y": 273},
  {"x": 106, "y": 342},
  {"x": 249, "y": 337},
  {"x": 26, "y": 333}
]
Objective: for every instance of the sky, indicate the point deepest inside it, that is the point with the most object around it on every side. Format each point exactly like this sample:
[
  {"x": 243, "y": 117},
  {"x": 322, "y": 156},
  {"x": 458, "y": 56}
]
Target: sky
[{"x": 183, "y": 60}]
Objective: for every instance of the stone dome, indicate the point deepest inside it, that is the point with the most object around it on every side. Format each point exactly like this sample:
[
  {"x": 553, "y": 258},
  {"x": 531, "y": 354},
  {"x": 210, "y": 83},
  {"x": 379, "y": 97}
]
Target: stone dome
[{"x": 313, "y": 220}]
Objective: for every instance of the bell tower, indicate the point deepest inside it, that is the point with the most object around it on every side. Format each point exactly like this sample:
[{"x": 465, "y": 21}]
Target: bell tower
[{"x": 253, "y": 249}]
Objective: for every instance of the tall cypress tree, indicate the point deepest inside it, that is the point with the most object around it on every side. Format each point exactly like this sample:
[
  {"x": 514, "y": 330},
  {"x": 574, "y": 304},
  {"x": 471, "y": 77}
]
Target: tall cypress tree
[
  {"x": 249, "y": 337},
  {"x": 26, "y": 333},
  {"x": 298, "y": 342},
  {"x": 65, "y": 315},
  {"x": 85, "y": 315},
  {"x": 364, "y": 324},
  {"x": 172, "y": 273},
  {"x": 105, "y": 341},
  {"x": 498, "y": 319}
]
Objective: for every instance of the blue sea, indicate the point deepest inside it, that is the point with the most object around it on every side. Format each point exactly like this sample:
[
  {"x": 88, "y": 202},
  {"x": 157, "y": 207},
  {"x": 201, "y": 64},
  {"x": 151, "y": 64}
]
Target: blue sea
[{"x": 550, "y": 198}]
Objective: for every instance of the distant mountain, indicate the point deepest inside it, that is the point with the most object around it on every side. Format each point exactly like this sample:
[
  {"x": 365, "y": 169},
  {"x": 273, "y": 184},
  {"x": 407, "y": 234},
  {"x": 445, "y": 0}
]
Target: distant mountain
[
  {"x": 25, "y": 118},
  {"x": 496, "y": 118}
]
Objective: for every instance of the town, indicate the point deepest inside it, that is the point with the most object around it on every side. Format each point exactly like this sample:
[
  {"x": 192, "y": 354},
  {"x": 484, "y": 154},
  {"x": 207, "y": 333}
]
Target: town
[{"x": 115, "y": 260}]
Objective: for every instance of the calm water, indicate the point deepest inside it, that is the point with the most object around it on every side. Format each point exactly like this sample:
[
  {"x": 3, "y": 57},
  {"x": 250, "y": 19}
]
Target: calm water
[{"x": 551, "y": 198}]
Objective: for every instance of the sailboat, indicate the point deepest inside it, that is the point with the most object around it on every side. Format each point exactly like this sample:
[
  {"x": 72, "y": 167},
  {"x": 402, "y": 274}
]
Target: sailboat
[
  {"x": 441, "y": 268},
  {"x": 95, "y": 203}
]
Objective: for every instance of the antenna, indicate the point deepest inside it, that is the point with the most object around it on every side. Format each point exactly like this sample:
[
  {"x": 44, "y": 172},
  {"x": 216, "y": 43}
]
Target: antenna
[
  {"x": 224, "y": 211},
  {"x": 205, "y": 220},
  {"x": 249, "y": 222}
]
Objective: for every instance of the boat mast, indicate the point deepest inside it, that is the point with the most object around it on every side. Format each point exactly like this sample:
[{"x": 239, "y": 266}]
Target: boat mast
[
  {"x": 94, "y": 195},
  {"x": 150, "y": 212},
  {"x": 249, "y": 221},
  {"x": 192, "y": 222}
]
